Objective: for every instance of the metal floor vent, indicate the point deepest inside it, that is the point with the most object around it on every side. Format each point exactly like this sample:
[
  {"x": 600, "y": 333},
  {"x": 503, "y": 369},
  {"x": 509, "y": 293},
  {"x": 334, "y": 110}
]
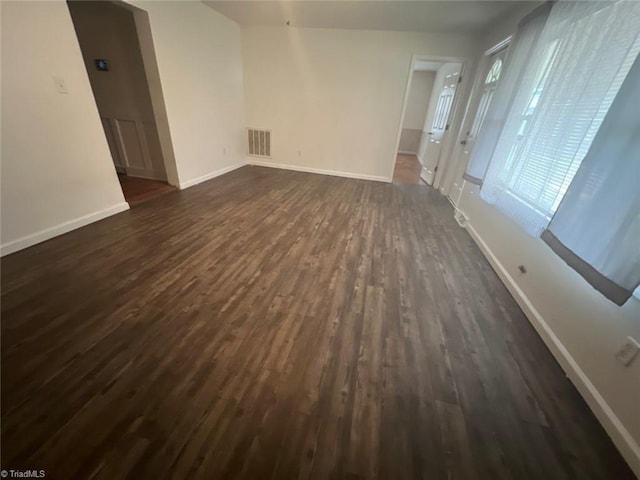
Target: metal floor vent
[{"x": 259, "y": 142}]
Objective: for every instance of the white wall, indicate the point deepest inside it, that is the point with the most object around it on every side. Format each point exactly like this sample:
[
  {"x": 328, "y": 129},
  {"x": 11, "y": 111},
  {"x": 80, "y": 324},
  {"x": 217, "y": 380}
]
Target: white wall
[
  {"x": 333, "y": 98},
  {"x": 200, "y": 66},
  {"x": 581, "y": 327},
  {"x": 418, "y": 101},
  {"x": 57, "y": 172}
]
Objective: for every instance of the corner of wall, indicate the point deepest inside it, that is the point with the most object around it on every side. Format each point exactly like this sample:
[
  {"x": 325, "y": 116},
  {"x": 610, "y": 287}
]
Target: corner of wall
[
  {"x": 210, "y": 176},
  {"x": 206, "y": 126}
]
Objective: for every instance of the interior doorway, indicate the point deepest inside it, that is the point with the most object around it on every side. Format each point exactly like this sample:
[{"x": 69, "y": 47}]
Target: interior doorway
[
  {"x": 408, "y": 167},
  {"x": 118, "y": 54},
  {"x": 429, "y": 105}
]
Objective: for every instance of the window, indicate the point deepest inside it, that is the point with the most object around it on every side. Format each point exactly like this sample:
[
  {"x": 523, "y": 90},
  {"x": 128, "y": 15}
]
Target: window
[
  {"x": 558, "y": 150},
  {"x": 494, "y": 72},
  {"x": 490, "y": 83},
  {"x": 580, "y": 58},
  {"x": 596, "y": 227},
  {"x": 529, "y": 188},
  {"x": 442, "y": 110}
]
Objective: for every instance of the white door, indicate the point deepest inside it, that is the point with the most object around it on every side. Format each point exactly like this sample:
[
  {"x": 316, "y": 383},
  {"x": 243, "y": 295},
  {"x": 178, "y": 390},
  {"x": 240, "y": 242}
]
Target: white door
[
  {"x": 494, "y": 69},
  {"x": 135, "y": 147},
  {"x": 433, "y": 144}
]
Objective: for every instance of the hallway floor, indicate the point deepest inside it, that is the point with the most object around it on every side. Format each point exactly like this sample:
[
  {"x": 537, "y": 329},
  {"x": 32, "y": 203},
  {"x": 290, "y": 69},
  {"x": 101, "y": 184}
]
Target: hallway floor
[
  {"x": 137, "y": 190},
  {"x": 407, "y": 171}
]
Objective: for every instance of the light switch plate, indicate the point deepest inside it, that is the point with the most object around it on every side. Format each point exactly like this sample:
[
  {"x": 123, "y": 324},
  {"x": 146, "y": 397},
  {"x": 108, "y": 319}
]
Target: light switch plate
[{"x": 628, "y": 352}]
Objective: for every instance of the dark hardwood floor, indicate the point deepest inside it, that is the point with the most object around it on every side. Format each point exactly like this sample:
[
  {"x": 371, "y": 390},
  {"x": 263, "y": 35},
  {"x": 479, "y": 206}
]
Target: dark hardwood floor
[{"x": 275, "y": 324}]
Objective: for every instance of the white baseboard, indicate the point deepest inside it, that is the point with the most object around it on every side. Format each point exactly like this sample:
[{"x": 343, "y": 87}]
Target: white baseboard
[
  {"x": 621, "y": 437},
  {"x": 333, "y": 173},
  {"x": 209, "y": 176},
  {"x": 48, "y": 233},
  {"x": 406, "y": 152}
]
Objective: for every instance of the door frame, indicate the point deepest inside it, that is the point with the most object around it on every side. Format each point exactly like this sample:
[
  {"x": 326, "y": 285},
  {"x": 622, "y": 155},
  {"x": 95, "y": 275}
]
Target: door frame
[
  {"x": 455, "y": 114},
  {"x": 150, "y": 66}
]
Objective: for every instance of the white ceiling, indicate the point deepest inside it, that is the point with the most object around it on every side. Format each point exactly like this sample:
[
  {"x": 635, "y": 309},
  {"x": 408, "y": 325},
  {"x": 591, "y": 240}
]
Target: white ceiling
[{"x": 470, "y": 16}]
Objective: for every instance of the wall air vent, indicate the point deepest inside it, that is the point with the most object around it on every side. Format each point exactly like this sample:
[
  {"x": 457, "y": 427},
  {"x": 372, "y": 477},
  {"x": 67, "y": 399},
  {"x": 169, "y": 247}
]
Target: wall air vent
[{"x": 259, "y": 142}]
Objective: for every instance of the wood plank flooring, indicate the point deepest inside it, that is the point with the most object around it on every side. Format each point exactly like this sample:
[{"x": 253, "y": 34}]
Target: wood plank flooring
[
  {"x": 407, "y": 170},
  {"x": 280, "y": 325}
]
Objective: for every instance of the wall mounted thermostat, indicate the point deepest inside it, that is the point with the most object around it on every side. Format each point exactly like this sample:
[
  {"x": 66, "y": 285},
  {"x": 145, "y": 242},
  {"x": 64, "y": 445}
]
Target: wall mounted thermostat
[{"x": 102, "y": 64}]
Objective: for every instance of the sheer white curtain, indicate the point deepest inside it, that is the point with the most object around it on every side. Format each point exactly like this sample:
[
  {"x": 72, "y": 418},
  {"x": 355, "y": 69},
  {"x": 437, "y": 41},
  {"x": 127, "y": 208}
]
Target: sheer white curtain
[
  {"x": 569, "y": 79},
  {"x": 596, "y": 229},
  {"x": 520, "y": 48}
]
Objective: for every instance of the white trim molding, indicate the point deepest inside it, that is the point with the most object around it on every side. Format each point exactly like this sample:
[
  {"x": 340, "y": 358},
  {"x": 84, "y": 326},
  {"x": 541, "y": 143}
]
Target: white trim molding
[
  {"x": 209, "y": 176},
  {"x": 48, "y": 233},
  {"x": 320, "y": 171},
  {"x": 621, "y": 437}
]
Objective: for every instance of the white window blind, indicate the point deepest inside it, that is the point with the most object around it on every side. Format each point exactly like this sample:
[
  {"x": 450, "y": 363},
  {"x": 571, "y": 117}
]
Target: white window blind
[{"x": 583, "y": 54}]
